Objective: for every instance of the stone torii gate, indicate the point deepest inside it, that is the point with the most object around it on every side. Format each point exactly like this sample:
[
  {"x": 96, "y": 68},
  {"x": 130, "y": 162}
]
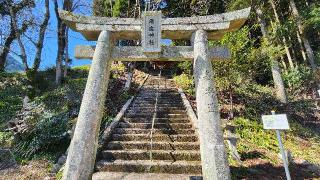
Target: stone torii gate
[{"x": 104, "y": 30}]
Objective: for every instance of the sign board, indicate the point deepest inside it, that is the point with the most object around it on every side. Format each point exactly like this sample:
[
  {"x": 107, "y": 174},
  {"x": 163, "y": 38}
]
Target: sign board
[
  {"x": 151, "y": 31},
  {"x": 279, "y": 121}
]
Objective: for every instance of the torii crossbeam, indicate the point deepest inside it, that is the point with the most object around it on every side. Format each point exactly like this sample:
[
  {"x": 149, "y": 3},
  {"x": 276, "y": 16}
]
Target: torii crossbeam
[{"x": 104, "y": 30}]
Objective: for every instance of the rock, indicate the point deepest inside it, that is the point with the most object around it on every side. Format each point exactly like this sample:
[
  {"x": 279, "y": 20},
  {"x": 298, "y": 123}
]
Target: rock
[
  {"x": 6, "y": 159},
  {"x": 62, "y": 160}
]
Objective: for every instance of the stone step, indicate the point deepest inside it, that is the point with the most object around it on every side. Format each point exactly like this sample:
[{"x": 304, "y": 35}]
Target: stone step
[
  {"x": 177, "y": 155},
  {"x": 160, "y": 95},
  {"x": 164, "y": 96},
  {"x": 151, "y": 108},
  {"x": 161, "y": 91},
  {"x": 157, "y": 120},
  {"x": 164, "y": 101},
  {"x": 147, "y": 166},
  {"x": 145, "y": 145},
  {"x": 153, "y": 102},
  {"x": 161, "y": 111},
  {"x": 153, "y": 98},
  {"x": 155, "y": 131},
  {"x": 159, "y": 106},
  {"x": 156, "y": 125},
  {"x": 156, "y": 138},
  {"x": 146, "y": 176},
  {"x": 159, "y": 115}
]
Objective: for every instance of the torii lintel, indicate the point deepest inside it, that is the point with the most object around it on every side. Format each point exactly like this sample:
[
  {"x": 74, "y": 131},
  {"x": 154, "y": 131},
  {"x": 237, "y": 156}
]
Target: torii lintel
[{"x": 172, "y": 28}]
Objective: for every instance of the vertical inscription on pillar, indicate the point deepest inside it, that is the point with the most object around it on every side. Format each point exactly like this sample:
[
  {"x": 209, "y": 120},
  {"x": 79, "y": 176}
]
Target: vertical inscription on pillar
[{"x": 151, "y": 32}]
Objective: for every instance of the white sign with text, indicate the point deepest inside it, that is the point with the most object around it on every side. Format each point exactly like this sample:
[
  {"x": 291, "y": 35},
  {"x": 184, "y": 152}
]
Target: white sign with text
[
  {"x": 151, "y": 31},
  {"x": 279, "y": 121}
]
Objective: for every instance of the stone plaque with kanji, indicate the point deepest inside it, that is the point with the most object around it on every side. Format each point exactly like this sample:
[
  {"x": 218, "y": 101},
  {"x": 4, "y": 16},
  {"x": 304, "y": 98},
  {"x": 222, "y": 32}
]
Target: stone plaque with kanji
[{"x": 151, "y": 32}]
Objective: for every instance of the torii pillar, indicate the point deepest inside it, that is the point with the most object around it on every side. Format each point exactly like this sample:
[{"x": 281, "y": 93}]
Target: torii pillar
[
  {"x": 213, "y": 155},
  {"x": 83, "y": 148}
]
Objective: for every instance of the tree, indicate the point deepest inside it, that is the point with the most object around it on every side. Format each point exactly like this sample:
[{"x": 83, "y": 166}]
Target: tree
[
  {"x": 275, "y": 69},
  {"x": 31, "y": 72},
  {"x": 284, "y": 39},
  {"x": 7, "y": 8},
  {"x": 8, "y": 41},
  {"x": 304, "y": 39},
  {"x": 62, "y": 40}
]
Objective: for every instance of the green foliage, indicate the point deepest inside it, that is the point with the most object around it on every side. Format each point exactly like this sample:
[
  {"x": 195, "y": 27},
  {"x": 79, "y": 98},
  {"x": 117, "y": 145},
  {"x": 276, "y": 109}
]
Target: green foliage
[
  {"x": 257, "y": 100},
  {"x": 185, "y": 81},
  {"x": 6, "y": 139},
  {"x": 298, "y": 78},
  {"x": 239, "y": 4},
  {"x": 271, "y": 49},
  {"x": 11, "y": 94},
  {"x": 185, "y": 67},
  {"x": 313, "y": 19},
  {"x": 119, "y": 6},
  {"x": 82, "y": 68},
  {"x": 299, "y": 140},
  {"x": 59, "y": 175},
  {"x": 283, "y": 29},
  {"x": 117, "y": 70},
  {"x": 49, "y": 133},
  {"x": 113, "y": 8},
  {"x": 253, "y": 133},
  {"x": 247, "y": 63}
]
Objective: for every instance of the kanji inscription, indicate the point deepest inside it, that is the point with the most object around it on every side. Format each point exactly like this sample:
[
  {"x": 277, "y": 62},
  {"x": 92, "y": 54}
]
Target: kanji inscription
[{"x": 151, "y": 31}]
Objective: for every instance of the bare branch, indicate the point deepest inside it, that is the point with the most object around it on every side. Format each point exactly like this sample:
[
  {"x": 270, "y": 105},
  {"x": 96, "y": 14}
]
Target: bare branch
[
  {"x": 39, "y": 44},
  {"x": 22, "y": 48}
]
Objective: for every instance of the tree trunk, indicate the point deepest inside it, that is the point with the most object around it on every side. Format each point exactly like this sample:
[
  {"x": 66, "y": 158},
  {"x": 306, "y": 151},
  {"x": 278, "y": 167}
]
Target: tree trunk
[
  {"x": 66, "y": 61},
  {"x": 284, "y": 40},
  {"x": 42, "y": 33},
  {"x": 303, "y": 52},
  {"x": 6, "y": 48},
  {"x": 8, "y": 42},
  {"x": 22, "y": 48},
  {"x": 278, "y": 82},
  {"x": 61, "y": 41},
  {"x": 275, "y": 69},
  {"x": 304, "y": 39},
  {"x": 284, "y": 64}
]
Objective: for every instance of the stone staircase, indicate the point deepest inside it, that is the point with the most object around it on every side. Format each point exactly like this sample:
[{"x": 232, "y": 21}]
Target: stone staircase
[{"x": 175, "y": 147}]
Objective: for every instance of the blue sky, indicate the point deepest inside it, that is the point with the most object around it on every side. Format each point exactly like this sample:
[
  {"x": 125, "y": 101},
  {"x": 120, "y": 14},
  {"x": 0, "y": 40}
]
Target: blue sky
[
  {"x": 49, "y": 51},
  {"x": 51, "y": 45}
]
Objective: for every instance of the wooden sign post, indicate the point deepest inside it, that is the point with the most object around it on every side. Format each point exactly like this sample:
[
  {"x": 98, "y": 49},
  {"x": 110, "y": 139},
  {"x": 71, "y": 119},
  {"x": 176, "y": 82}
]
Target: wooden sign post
[
  {"x": 278, "y": 122},
  {"x": 151, "y": 32}
]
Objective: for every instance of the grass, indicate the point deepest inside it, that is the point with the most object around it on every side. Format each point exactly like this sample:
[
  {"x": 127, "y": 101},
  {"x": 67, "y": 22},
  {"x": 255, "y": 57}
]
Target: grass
[
  {"x": 257, "y": 147},
  {"x": 53, "y": 113}
]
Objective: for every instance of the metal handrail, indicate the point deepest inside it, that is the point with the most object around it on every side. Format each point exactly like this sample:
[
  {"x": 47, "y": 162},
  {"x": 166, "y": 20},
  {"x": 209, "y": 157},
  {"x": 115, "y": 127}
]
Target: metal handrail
[{"x": 154, "y": 117}]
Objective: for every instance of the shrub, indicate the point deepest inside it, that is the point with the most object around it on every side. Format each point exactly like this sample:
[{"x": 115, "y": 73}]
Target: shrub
[
  {"x": 298, "y": 79},
  {"x": 253, "y": 132},
  {"x": 186, "y": 83},
  {"x": 49, "y": 133}
]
